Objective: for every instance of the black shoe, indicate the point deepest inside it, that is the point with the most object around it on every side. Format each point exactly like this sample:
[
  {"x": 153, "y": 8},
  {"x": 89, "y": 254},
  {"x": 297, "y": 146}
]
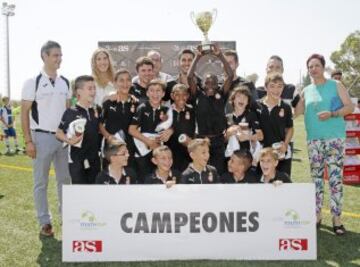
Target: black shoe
[{"x": 339, "y": 229}]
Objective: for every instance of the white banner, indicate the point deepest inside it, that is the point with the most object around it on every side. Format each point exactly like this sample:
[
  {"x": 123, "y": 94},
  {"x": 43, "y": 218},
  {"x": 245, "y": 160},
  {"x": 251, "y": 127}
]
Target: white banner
[{"x": 150, "y": 222}]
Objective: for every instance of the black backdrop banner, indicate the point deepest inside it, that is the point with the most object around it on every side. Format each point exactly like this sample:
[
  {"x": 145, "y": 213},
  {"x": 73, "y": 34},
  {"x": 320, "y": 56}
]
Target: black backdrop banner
[{"x": 124, "y": 54}]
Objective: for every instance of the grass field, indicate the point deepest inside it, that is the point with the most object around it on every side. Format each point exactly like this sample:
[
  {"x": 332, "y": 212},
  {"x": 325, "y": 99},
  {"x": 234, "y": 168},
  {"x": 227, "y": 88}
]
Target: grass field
[{"x": 20, "y": 244}]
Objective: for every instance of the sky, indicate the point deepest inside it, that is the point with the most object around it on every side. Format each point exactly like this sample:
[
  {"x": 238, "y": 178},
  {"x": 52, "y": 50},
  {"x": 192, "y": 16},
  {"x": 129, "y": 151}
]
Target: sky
[{"x": 291, "y": 29}]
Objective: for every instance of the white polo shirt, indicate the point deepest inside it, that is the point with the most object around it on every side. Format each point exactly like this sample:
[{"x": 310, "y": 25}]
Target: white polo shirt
[{"x": 50, "y": 101}]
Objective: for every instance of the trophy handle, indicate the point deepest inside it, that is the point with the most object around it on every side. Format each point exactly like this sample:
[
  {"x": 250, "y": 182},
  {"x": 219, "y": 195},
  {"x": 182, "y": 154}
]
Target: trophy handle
[
  {"x": 192, "y": 16},
  {"x": 214, "y": 12}
]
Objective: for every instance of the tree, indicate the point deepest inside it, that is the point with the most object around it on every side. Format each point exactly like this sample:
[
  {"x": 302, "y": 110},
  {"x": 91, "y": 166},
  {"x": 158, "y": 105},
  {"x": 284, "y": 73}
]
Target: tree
[
  {"x": 306, "y": 80},
  {"x": 347, "y": 59}
]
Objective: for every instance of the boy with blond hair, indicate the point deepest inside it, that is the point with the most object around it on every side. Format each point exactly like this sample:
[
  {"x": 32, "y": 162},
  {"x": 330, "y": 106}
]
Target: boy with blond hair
[{"x": 199, "y": 172}]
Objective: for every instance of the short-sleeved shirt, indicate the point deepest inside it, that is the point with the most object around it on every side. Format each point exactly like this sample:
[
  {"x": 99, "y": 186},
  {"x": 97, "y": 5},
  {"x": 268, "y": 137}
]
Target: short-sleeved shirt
[
  {"x": 183, "y": 123},
  {"x": 6, "y": 114},
  {"x": 274, "y": 122},
  {"x": 248, "y": 116},
  {"x": 118, "y": 115},
  {"x": 249, "y": 178},
  {"x": 139, "y": 92},
  {"x": 147, "y": 118},
  {"x": 288, "y": 94},
  {"x": 152, "y": 178},
  {"x": 279, "y": 176},
  {"x": 49, "y": 101},
  {"x": 89, "y": 146},
  {"x": 128, "y": 177},
  {"x": 207, "y": 176},
  {"x": 210, "y": 113}
]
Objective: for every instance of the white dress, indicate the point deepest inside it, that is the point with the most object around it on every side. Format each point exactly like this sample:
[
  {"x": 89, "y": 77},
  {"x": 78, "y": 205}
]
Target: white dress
[{"x": 102, "y": 92}]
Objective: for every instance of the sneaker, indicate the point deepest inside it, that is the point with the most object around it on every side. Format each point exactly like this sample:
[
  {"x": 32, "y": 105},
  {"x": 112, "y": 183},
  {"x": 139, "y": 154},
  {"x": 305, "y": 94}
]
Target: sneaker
[
  {"x": 19, "y": 150},
  {"x": 46, "y": 230}
]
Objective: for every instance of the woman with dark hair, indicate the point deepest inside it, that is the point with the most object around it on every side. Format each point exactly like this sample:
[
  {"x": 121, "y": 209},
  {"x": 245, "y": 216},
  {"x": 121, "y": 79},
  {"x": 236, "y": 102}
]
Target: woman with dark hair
[{"x": 324, "y": 104}]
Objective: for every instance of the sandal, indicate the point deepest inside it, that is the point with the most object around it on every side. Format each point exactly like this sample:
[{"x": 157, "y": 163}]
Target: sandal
[{"x": 339, "y": 229}]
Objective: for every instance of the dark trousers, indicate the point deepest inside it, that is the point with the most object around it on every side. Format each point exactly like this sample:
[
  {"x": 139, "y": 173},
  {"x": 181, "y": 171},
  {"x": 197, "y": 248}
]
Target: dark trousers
[
  {"x": 144, "y": 166},
  {"x": 80, "y": 175}
]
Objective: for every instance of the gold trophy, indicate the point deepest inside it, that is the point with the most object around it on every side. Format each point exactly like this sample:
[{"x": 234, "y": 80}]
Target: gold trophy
[{"x": 204, "y": 20}]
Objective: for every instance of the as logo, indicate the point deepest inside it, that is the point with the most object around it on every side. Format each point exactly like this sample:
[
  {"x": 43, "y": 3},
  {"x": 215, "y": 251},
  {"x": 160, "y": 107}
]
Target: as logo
[
  {"x": 293, "y": 244},
  {"x": 87, "y": 246}
]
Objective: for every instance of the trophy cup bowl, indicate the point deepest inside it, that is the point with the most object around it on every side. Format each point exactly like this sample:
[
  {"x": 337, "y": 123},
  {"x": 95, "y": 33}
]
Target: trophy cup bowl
[{"x": 204, "y": 21}]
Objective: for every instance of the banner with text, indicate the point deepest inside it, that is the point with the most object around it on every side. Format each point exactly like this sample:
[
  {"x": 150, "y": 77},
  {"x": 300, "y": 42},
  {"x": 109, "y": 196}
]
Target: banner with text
[{"x": 151, "y": 222}]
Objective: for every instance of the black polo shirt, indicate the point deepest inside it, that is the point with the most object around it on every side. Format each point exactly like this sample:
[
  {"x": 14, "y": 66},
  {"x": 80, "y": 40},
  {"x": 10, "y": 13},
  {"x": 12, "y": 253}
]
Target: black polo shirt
[
  {"x": 248, "y": 116},
  {"x": 273, "y": 123},
  {"x": 118, "y": 115},
  {"x": 279, "y": 176},
  {"x": 88, "y": 149},
  {"x": 139, "y": 92},
  {"x": 210, "y": 114},
  {"x": 147, "y": 118},
  {"x": 250, "y": 177},
  {"x": 183, "y": 123},
  {"x": 152, "y": 178},
  {"x": 288, "y": 94},
  {"x": 128, "y": 177},
  {"x": 207, "y": 176}
]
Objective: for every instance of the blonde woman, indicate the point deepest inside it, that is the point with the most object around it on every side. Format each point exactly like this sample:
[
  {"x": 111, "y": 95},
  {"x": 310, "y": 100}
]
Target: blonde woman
[{"x": 103, "y": 73}]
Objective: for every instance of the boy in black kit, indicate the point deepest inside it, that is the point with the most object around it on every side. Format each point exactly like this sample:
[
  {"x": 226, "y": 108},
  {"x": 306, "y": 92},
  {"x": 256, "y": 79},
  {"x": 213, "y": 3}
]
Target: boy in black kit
[
  {"x": 183, "y": 127},
  {"x": 163, "y": 173},
  {"x": 268, "y": 161},
  {"x": 276, "y": 121},
  {"x": 243, "y": 125},
  {"x": 84, "y": 161},
  {"x": 117, "y": 113},
  {"x": 209, "y": 105},
  {"x": 117, "y": 171},
  {"x": 143, "y": 127},
  {"x": 199, "y": 172},
  {"x": 239, "y": 168}
]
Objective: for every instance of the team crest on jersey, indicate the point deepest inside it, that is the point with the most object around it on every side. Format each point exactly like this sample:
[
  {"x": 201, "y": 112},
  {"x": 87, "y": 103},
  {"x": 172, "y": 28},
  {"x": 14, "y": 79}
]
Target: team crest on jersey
[
  {"x": 187, "y": 115},
  {"x": 210, "y": 177},
  {"x": 282, "y": 113},
  {"x": 132, "y": 109}
]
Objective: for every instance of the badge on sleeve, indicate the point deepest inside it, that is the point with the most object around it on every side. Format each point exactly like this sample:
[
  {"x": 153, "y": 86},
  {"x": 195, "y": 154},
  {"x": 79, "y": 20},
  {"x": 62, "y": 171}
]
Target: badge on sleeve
[
  {"x": 282, "y": 113},
  {"x": 210, "y": 177},
  {"x": 162, "y": 116}
]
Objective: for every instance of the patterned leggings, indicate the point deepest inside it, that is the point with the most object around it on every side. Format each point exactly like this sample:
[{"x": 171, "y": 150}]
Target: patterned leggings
[{"x": 331, "y": 153}]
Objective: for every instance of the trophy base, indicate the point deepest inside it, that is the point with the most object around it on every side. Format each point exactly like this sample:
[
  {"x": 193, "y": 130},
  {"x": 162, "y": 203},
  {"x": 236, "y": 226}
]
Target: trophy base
[{"x": 206, "y": 48}]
